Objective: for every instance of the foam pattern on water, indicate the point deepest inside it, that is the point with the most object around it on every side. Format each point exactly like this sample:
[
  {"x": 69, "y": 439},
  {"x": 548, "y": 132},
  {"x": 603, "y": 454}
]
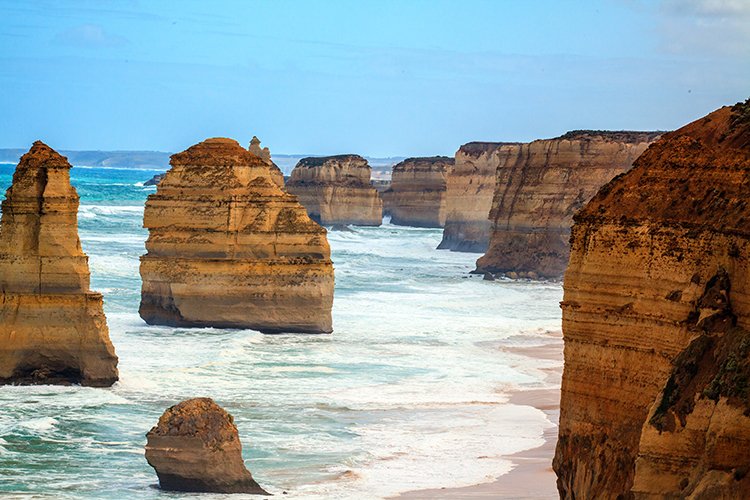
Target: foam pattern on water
[{"x": 409, "y": 392}]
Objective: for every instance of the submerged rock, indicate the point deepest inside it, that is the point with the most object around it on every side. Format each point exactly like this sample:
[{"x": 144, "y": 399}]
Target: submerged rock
[
  {"x": 196, "y": 447},
  {"x": 538, "y": 191},
  {"x": 468, "y": 198},
  {"x": 656, "y": 385},
  {"x": 416, "y": 196},
  {"x": 337, "y": 190},
  {"x": 52, "y": 326},
  {"x": 228, "y": 248}
]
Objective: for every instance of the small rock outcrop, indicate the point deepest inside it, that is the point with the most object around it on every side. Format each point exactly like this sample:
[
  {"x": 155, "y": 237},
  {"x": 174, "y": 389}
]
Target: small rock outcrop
[
  {"x": 263, "y": 153},
  {"x": 337, "y": 190},
  {"x": 538, "y": 191},
  {"x": 470, "y": 186},
  {"x": 656, "y": 321},
  {"x": 228, "y": 248},
  {"x": 416, "y": 196},
  {"x": 52, "y": 326},
  {"x": 195, "y": 447},
  {"x": 154, "y": 181}
]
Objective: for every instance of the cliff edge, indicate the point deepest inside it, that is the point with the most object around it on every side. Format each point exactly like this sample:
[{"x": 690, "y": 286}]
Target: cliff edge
[{"x": 656, "y": 313}]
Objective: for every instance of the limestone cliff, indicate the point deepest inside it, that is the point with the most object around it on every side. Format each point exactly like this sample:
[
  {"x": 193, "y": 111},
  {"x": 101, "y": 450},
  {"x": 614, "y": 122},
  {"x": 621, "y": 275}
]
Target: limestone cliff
[
  {"x": 227, "y": 247},
  {"x": 52, "y": 327},
  {"x": 656, "y": 311},
  {"x": 196, "y": 447},
  {"x": 538, "y": 191},
  {"x": 468, "y": 197},
  {"x": 417, "y": 193},
  {"x": 337, "y": 190}
]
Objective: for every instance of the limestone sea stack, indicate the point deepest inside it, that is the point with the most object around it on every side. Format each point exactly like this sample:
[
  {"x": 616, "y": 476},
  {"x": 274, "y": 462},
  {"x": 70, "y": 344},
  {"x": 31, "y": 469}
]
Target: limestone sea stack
[
  {"x": 470, "y": 186},
  {"x": 656, "y": 318},
  {"x": 228, "y": 248},
  {"x": 538, "y": 191},
  {"x": 337, "y": 190},
  {"x": 196, "y": 447},
  {"x": 417, "y": 193},
  {"x": 52, "y": 326}
]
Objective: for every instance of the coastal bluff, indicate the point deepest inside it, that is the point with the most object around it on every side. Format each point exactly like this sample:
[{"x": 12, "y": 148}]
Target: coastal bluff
[
  {"x": 538, "y": 191},
  {"x": 52, "y": 326},
  {"x": 195, "y": 447},
  {"x": 656, "y": 321},
  {"x": 229, "y": 248},
  {"x": 470, "y": 187},
  {"x": 337, "y": 190},
  {"x": 416, "y": 196}
]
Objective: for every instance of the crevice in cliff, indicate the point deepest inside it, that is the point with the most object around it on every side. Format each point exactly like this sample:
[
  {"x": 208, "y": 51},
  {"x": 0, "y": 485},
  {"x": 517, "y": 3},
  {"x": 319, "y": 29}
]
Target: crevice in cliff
[{"x": 714, "y": 365}]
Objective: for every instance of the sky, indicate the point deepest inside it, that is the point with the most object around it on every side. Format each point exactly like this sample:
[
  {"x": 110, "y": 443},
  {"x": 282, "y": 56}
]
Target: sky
[{"x": 378, "y": 78}]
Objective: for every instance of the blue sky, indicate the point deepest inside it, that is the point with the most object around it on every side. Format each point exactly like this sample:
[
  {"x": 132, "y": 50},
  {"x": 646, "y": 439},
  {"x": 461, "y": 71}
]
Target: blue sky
[{"x": 378, "y": 78}]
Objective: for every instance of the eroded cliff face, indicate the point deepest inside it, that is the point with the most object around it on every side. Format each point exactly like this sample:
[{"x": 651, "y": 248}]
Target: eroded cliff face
[
  {"x": 196, "y": 447},
  {"x": 52, "y": 327},
  {"x": 417, "y": 193},
  {"x": 470, "y": 186},
  {"x": 538, "y": 191},
  {"x": 337, "y": 190},
  {"x": 228, "y": 248},
  {"x": 656, "y": 315}
]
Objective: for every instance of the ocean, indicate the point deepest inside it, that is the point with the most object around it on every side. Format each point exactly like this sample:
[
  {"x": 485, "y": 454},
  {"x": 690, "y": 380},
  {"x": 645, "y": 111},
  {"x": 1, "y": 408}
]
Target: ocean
[{"x": 409, "y": 392}]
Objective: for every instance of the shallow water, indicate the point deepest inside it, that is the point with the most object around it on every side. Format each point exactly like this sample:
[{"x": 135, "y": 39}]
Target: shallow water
[{"x": 409, "y": 391}]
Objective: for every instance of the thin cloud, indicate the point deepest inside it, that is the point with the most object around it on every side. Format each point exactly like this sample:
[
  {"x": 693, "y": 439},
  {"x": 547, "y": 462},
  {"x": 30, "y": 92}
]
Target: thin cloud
[
  {"x": 708, "y": 8},
  {"x": 90, "y": 36}
]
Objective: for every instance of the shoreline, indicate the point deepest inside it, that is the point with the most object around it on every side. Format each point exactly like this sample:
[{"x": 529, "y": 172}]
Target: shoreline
[{"x": 532, "y": 476}]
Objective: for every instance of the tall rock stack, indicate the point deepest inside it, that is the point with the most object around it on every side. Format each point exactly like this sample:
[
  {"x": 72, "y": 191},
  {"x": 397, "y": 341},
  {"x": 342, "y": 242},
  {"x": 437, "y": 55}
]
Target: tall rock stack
[
  {"x": 469, "y": 190},
  {"x": 656, "y": 320},
  {"x": 337, "y": 190},
  {"x": 52, "y": 327},
  {"x": 228, "y": 248},
  {"x": 538, "y": 191},
  {"x": 417, "y": 193}
]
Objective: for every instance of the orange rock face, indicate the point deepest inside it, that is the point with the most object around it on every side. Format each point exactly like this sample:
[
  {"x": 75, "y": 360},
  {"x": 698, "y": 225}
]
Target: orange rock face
[
  {"x": 52, "y": 327},
  {"x": 337, "y": 190},
  {"x": 417, "y": 193},
  {"x": 470, "y": 186},
  {"x": 228, "y": 248},
  {"x": 196, "y": 447},
  {"x": 538, "y": 191},
  {"x": 656, "y": 314}
]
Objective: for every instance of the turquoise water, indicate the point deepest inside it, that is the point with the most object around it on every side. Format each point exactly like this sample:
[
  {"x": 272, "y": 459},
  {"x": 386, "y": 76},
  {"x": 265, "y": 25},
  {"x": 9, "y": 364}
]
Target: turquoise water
[{"x": 409, "y": 391}]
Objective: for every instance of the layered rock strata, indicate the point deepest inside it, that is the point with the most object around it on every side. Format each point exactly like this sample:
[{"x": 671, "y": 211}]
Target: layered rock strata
[
  {"x": 196, "y": 447},
  {"x": 228, "y": 248},
  {"x": 470, "y": 186},
  {"x": 337, "y": 190},
  {"x": 656, "y": 319},
  {"x": 52, "y": 326},
  {"x": 538, "y": 191},
  {"x": 417, "y": 193}
]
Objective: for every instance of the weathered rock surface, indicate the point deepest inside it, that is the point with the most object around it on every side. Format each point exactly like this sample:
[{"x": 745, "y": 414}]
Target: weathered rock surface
[
  {"x": 417, "y": 193},
  {"x": 656, "y": 312},
  {"x": 538, "y": 191},
  {"x": 337, "y": 190},
  {"x": 228, "y": 248},
  {"x": 52, "y": 326},
  {"x": 196, "y": 447},
  {"x": 470, "y": 186}
]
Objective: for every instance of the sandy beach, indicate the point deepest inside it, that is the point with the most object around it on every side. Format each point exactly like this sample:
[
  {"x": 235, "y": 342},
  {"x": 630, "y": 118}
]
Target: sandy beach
[{"x": 532, "y": 476}]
